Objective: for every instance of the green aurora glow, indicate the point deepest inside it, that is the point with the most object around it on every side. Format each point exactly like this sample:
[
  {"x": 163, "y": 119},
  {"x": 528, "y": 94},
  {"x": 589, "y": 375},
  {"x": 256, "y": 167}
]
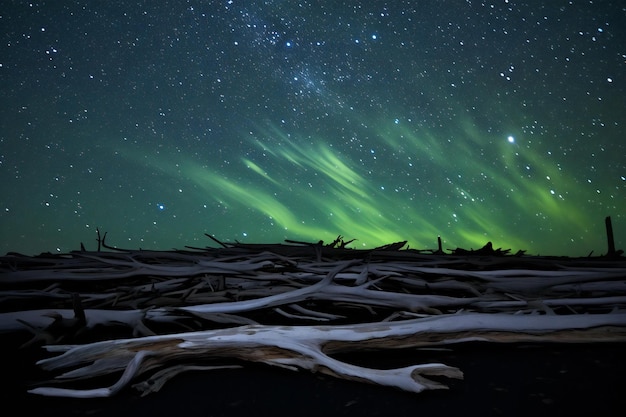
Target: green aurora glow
[{"x": 380, "y": 123}]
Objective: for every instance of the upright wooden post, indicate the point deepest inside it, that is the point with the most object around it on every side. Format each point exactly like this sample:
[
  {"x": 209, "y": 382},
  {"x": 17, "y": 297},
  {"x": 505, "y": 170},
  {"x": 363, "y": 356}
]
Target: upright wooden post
[{"x": 609, "y": 236}]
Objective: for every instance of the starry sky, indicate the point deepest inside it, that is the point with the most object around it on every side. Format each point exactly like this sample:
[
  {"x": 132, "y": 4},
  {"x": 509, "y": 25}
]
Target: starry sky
[{"x": 381, "y": 121}]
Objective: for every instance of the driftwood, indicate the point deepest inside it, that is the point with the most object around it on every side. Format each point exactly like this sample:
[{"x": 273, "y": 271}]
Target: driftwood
[{"x": 145, "y": 316}]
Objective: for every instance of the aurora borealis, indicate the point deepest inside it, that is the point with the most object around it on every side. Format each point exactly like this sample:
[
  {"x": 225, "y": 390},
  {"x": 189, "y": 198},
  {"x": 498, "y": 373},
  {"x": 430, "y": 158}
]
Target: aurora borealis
[{"x": 157, "y": 122}]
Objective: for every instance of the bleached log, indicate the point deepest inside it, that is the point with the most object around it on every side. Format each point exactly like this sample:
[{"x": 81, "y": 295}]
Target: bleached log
[
  {"x": 120, "y": 269},
  {"x": 269, "y": 301},
  {"x": 605, "y": 302},
  {"x": 308, "y": 347},
  {"x": 42, "y": 319}
]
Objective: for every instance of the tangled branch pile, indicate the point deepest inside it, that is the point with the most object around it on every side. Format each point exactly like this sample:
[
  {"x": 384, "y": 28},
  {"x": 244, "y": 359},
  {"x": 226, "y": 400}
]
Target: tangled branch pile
[{"x": 145, "y": 316}]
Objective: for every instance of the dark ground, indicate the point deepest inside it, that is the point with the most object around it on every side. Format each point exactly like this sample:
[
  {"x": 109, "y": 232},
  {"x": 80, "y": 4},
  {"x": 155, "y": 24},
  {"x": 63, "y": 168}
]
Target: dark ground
[{"x": 503, "y": 380}]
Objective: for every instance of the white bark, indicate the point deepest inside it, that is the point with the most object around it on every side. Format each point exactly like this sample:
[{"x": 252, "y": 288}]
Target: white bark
[{"x": 307, "y": 347}]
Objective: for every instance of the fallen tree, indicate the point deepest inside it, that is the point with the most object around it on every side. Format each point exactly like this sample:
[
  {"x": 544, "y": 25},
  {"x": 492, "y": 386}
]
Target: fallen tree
[{"x": 309, "y": 347}]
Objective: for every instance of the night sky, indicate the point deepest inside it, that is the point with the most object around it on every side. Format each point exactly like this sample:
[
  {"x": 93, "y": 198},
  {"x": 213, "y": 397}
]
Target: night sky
[{"x": 259, "y": 121}]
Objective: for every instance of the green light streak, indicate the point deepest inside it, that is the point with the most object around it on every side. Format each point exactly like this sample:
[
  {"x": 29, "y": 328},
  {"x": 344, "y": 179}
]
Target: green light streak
[
  {"x": 490, "y": 199},
  {"x": 305, "y": 188},
  {"x": 254, "y": 167}
]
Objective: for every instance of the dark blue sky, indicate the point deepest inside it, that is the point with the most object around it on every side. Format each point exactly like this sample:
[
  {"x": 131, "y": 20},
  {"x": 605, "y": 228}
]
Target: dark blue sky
[{"x": 158, "y": 122}]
